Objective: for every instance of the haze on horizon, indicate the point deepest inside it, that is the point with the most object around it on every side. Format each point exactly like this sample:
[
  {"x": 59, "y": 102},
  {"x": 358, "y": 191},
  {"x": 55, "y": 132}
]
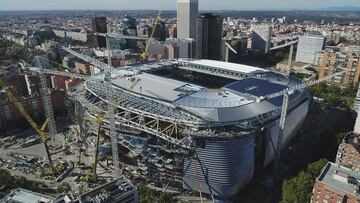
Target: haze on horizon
[{"x": 171, "y": 4}]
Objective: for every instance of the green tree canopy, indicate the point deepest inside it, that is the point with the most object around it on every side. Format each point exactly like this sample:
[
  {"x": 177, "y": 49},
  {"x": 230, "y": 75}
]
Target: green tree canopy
[
  {"x": 5, "y": 178},
  {"x": 299, "y": 188}
]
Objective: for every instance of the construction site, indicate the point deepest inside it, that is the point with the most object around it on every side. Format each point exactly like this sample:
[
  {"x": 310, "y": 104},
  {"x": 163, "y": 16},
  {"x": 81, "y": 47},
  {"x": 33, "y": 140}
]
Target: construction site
[
  {"x": 181, "y": 126},
  {"x": 194, "y": 127}
]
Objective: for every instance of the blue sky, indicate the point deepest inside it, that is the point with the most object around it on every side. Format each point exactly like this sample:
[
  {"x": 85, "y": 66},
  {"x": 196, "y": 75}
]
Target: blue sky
[{"x": 171, "y": 4}]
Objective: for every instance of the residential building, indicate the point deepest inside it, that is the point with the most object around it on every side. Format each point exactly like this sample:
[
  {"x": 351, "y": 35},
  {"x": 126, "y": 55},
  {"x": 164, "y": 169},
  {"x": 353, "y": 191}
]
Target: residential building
[
  {"x": 184, "y": 48},
  {"x": 63, "y": 83},
  {"x": 187, "y": 12},
  {"x": 338, "y": 59},
  {"x": 171, "y": 51},
  {"x": 187, "y": 48},
  {"x": 209, "y": 37},
  {"x": 85, "y": 68},
  {"x": 261, "y": 38},
  {"x": 348, "y": 154},
  {"x": 308, "y": 47},
  {"x": 356, "y": 108},
  {"x": 336, "y": 184},
  {"x": 52, "y": 49},
  {"x": 99, "y": 25}
]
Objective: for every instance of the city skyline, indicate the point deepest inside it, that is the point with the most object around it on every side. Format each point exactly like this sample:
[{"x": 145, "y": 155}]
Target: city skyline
[{"x": 171, "y": 5}]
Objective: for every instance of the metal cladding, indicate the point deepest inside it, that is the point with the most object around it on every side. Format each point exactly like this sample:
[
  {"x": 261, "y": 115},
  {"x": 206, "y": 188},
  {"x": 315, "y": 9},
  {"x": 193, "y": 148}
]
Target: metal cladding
[
  {"x": 202, "y": 123},
  {"x": 228, "y": 165}
]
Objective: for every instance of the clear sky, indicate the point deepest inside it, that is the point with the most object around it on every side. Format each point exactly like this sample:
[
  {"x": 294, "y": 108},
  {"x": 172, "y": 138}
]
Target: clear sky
[{"x": 171, "y": 4}]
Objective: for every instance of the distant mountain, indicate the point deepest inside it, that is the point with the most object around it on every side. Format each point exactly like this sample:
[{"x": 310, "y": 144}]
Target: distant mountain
[{"x": 345, "y": 8}]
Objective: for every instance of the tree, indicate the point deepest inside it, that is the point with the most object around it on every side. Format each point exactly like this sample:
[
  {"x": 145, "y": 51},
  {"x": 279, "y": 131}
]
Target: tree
[
  {"x": 314, "y": 168},
  {"x": 149, "y": 196},
  {"x": 20, "y": 182},
  {"x": 299, "y": 188},
  {"x": 165, "y": 198},
  {"x": 5, "y": 178},
  {"x": 64, "y": 188}
]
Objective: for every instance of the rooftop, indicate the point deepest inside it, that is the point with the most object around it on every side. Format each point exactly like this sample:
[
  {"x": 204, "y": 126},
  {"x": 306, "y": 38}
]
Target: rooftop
[
  {"x": 340, "y": 178},
  {"x": 220, "y": 65},
  {"x": 117, "y": 190},
  {"x": 158, "y": 87},
  {"x": 25, "y": 196}
]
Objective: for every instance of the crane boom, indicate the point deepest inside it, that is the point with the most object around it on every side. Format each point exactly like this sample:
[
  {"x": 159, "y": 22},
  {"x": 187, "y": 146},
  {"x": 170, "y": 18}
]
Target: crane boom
[
  {"x": 120, "y": 36},
  {"x": 62, "y": 73},
  {"x": 32, "y": 123},
  {"x": 99, "y": 64},
  {"x": 144, "y": 55}
]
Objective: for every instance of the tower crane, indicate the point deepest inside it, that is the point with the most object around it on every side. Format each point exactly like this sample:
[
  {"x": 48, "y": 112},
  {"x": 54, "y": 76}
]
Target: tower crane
[
  {"x": 49, "y": 113},
  {"x": 99, "y": 64},
  {"x": 55, "y": 72},
  {"x": 111, "y": 109},
  {"x": 120, "y": 36},
  {"x": 40, "y": 131},
  {"x": 144, "y": 55},
  {"x": 286, "y": 93},
  {"x": 100, "y": 119}
]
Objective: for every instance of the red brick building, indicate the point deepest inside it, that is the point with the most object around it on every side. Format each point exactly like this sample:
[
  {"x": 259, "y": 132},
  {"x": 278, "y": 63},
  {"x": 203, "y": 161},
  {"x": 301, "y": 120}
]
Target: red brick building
[
  {"x": 348, "y": 154},
  {"x": 336, "y": 184},
  {"x": 11, "y": 118}
]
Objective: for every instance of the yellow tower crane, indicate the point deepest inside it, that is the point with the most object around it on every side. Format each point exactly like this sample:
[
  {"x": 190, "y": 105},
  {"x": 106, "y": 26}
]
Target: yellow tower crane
[
  {"x": 145, "y": 55},
  {"x": 40, "y": 131}
]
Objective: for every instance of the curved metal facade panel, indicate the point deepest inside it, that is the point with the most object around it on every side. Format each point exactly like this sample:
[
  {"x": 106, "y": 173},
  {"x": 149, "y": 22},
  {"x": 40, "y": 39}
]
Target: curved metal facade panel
[
  {"x": 294, "y": 120},
  {"x": 226, "y": 164}
]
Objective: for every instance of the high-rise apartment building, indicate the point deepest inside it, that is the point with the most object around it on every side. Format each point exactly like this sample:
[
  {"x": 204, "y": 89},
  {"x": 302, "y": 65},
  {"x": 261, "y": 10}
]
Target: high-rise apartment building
[
  {"x": 209, "y": 36},
  {"x": 261, "y": 38},
  {"x": 99, "y": 25},
  {"x": 337, "y": 59},
  {"x": 356, "y": 108},
  {"x": 187, "y": 12},
  {"x": 308, "y": 47}
]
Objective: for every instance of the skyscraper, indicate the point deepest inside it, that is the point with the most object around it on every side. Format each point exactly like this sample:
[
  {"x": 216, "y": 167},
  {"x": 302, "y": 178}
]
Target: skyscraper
[
  {"x": 99, "y": 25},
  {"x": 261, "y": 38},
  {"x": 187, "y": 12},
  {"x": 130, "y": 28},
  {"x": 209, "y": 36}
]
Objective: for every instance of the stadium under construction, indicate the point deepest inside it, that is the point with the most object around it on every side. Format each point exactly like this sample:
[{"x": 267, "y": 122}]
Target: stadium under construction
[{"x": 197, "y": 125}]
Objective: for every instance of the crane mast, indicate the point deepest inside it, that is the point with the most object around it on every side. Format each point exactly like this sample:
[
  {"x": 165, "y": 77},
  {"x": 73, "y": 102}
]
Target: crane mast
[
  {"x": 23, "y": 111},
  {"x": 112, "y": 120},
  {"x": 48, "y": 108},
  {"x": 286, "y": 93}
]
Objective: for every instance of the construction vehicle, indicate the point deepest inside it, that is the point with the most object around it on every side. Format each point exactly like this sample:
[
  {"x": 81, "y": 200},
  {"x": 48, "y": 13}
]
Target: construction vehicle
[{"x": 39, "y": 131}]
